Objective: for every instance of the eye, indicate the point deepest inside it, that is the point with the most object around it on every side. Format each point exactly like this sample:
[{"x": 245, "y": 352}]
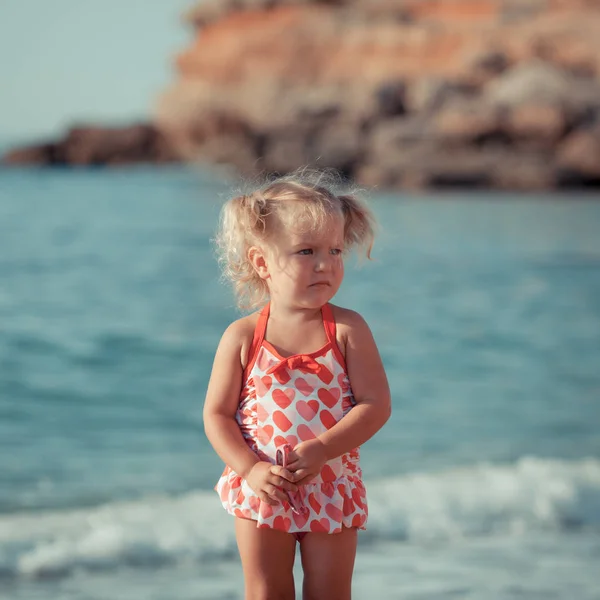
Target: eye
[
  {"x": 336, "y": 251},
  {"x": 305, "y": 251}
]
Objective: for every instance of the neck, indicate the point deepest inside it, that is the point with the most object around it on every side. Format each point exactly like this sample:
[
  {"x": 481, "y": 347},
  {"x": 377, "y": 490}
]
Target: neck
[{"x": 289, "y": 313}]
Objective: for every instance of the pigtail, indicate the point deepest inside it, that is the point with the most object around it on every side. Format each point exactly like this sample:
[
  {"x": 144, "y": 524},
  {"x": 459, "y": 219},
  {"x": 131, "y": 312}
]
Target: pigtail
[
  {"x": 359, "y": 228},
  {"x": 254, "y": 212},
  {"x": 242, "y": 223}
]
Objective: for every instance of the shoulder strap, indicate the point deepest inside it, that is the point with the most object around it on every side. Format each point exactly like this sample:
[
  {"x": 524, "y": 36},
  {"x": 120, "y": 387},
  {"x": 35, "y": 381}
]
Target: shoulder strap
[
  {"x": 330, "y": 331},
  {"x": 257, "y": 339}
]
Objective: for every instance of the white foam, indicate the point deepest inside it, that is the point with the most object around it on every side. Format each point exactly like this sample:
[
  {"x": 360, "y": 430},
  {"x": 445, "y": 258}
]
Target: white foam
[{"x": 532, "y": 494}]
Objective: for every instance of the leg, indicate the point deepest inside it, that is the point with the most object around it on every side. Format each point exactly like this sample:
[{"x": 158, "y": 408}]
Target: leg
[
  {"x": 267, "y": 561},
  {"x": 328, "y": 562}
]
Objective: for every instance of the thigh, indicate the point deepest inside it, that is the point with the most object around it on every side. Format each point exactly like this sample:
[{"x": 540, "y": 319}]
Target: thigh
[
  {"x": 267, "y": 561},
  {"x": 328, "y": 562}
]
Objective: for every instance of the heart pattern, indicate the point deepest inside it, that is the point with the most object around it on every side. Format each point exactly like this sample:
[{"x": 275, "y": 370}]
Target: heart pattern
[
  {"x": 303, "y": 386},
  {"x": 289, "y": 406},
  {"x": 283, "y": 398},
  {"x": 263, "y": 385},
  {"x": 329, "y": 397},
  {"x": 307, "y": 410}
]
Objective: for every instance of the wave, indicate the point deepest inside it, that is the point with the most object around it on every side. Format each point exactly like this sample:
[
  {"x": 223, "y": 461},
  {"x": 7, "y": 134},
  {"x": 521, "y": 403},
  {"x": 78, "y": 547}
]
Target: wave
[{"x": 530, "y": 495}]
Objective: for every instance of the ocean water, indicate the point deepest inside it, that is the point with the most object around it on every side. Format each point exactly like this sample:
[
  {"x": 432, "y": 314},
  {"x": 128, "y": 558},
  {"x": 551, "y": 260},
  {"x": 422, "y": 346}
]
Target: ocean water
[{"x": 484, "y": 484}]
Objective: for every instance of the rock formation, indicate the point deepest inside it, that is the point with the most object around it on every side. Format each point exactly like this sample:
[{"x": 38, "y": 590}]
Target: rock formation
[
  {"x": 91, "y": 145},
  {"x": 394, "y": 93}
]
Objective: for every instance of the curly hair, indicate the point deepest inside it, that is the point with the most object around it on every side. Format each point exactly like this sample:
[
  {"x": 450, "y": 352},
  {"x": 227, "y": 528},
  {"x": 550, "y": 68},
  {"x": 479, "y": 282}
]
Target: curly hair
[{"x": 305, "y": 198}]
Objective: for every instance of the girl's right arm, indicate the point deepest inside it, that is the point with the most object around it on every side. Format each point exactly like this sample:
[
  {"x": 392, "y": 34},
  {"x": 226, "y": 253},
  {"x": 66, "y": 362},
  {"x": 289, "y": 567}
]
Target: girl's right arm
[{"x": 221, "y": 427}]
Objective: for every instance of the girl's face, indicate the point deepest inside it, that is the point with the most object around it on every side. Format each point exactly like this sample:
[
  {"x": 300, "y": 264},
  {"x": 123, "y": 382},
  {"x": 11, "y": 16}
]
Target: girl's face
[{"x": 305, "y": 269}]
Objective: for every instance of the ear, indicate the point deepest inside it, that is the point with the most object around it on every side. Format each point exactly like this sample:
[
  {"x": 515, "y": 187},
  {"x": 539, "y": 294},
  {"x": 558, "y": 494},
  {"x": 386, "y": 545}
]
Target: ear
[{"x": 258, "y": 260}]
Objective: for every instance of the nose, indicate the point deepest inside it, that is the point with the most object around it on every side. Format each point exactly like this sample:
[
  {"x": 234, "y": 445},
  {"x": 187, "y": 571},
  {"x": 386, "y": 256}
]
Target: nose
[{"x": 323, "y": 263}]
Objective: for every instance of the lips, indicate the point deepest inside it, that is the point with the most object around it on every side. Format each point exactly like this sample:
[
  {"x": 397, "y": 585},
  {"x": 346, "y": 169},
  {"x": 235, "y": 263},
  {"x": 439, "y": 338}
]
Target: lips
[{"x": 325, "y": 283}]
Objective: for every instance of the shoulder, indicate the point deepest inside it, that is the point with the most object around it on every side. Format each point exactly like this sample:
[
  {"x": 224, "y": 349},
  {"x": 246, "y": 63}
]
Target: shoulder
[
  {"x": 346, "y": 318},
  {"x": 238, "y": 336},
  {"x": 348, "y": 322},
  {"x": 241, "y": 328}
]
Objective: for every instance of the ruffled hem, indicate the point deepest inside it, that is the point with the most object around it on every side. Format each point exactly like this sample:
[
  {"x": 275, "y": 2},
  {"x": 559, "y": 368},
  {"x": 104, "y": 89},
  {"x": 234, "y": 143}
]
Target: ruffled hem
[{"x": 327, "y": 507}]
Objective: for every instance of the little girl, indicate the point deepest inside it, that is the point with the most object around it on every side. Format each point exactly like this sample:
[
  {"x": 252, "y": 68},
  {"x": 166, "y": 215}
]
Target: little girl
[{"x": 295, "y": 388}]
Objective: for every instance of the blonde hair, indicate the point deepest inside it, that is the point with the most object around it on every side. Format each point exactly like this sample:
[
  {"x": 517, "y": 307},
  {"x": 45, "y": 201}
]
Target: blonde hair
[{"x": 306, "y": 198}]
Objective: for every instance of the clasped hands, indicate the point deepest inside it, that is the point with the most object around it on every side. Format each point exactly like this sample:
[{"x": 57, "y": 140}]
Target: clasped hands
[{"x": 271, "y": 482}]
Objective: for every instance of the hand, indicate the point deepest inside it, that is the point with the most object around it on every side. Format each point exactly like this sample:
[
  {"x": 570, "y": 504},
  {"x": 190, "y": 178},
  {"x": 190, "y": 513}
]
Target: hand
[
  {"x": 307, "y": 460},
  {"x": 268, "y": 482}
]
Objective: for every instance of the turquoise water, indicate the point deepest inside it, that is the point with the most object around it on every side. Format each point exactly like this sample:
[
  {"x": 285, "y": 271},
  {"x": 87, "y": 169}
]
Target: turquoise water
[{"x": 484, "y": 484}]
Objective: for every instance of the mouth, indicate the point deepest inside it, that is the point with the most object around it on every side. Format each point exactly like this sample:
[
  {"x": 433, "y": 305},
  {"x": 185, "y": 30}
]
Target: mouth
[{"x": 320, "y": 283}]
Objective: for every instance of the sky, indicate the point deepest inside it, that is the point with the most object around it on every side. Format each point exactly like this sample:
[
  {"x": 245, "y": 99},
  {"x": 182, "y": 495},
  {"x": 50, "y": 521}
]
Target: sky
[{"x": 71, "y": 61}]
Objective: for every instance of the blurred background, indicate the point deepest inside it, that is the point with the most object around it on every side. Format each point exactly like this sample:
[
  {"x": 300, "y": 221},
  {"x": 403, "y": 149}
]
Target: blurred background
[{"x": 474, "y": 128}]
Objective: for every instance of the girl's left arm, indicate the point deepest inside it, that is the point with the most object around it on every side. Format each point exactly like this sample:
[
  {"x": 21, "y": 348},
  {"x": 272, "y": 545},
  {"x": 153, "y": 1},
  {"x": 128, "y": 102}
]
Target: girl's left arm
[
  {"x": 370, "y": 388},
  {"x": 373, "y": 404}
]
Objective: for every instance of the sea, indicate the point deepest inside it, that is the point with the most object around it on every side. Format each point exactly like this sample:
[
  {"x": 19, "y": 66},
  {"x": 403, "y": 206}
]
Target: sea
[{"x": 483, "y": 485}]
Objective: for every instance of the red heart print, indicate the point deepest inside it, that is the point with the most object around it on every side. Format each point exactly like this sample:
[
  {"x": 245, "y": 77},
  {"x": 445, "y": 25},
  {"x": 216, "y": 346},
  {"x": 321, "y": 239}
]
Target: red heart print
[
  {"x": 328, "y": 474},
  {"x": 325, "y": 375},
  {"x": 262, "y": 385},
  {"x": 282, "y": 523},
  {"x": 328, "y": 489},
  {"x": 282, "y": 376},
  {"x": 261, "y": 414},
  {"x": 320, "y": 526},
  {"x": 266, "y": 510},
  {"x": 243, "y": 513},
  {"x": 283, "y": 398},
  {"x": 264, "y": 434},
  {"x": 224, "y": 492},
  {"x": 282, "y": 422},
  {"x": 279, "y": 441},
  {"x": 314, "y": 503},
  {"x": 358, "y": 520},
  {"x": 356, "y": 497},
  {"x": 254, "y": 503},
  {"x": 307, "y": 410},
  {"x": 305, "y": 432},
  {"x": 300, "y": 518},
  {"x": 327, "y": 419},
  {"x": 292, "y": 440},
  {"x": 303, "y": 386},
  {"x": 334, "y": 512},
  {"x": 342, "y": 489},
  {"x": 329, "y": 397},
  {"x": 240, "y": 497},
  {"x": 349, "y": 507}
]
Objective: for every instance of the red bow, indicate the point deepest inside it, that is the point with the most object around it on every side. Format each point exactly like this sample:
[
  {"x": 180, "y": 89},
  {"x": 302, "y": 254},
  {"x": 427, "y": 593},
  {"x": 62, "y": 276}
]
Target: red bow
[
  {"x": 305, "y": 363},
  {"x": 299, "y": 361}
]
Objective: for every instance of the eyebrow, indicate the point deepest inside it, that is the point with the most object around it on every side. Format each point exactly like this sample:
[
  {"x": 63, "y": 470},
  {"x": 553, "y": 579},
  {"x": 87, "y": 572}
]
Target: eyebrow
[{"x": 303, "y": 244}]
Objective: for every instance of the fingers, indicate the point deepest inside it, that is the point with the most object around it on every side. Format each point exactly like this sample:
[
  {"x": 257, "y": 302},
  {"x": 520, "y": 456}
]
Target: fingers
[
  {"x": 301, "y": 476},
  {"x": 283, "y": 478},
  {"x": 272, "y": 495},
  {"x": 293, "y": 465},
  {"x": 306, "y": 480},
  {"x": 279, "y": 495},
  {"x": 264, "y": 497},
  {"x": 283, "y": 483}
]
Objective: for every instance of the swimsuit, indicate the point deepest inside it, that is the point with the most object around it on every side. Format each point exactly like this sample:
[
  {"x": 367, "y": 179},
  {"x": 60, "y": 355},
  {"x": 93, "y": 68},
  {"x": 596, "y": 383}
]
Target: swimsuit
[{"x": 285, "y": 401}]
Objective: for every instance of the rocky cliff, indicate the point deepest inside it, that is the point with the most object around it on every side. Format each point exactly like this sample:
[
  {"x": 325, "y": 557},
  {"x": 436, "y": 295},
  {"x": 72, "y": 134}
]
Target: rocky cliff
[{"x": 396, "y": 93}]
